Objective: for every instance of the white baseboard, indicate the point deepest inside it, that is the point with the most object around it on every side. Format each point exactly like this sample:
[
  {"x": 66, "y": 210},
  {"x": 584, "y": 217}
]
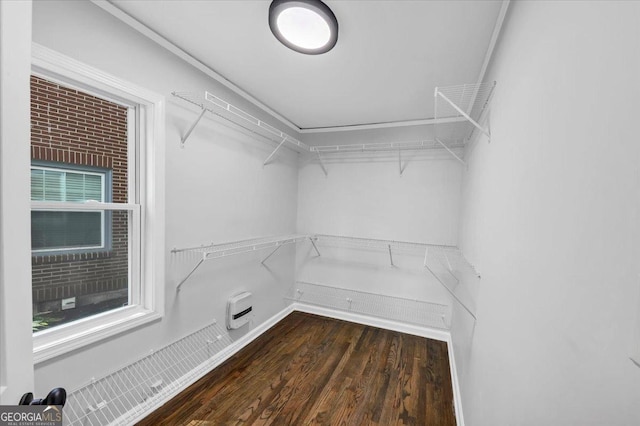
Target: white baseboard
[
  {"x": 416, "y": 330},
  {"x": 236, "y": 346},
  {"x": 457, "y": 397}
]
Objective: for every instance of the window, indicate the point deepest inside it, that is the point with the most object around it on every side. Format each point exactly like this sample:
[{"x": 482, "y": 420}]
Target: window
[
  {"x": 69, "y": 231},
  {"x": 97, "y": 212}
]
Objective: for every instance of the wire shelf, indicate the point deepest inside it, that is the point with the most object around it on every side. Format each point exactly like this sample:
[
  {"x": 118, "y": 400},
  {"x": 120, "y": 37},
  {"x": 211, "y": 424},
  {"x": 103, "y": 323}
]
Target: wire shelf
[
  {"x": 465, "y": 101},
  {"x": 379, "y": 146},
  {"x": 472, "y": 99},
  {"x": 449, "y": 256},
  {"x": 455, "y": 274},
  {"x": 446, "y": 264},
  {"x": 209, "y": 102},
  {"x": 217, "y": 251},
  {"x": 128, "y": 394},
  {"x": 356, "y": 150},
  {"x": 410, "y": 311},
  {"x": 213, "y": 251},
  {"x": 373, "y": 243},
  {"x": 225, "y": 110},
  {"x": 453, "y": 259}
]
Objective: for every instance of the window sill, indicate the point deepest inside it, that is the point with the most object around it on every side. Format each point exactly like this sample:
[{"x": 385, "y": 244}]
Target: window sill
[
  {"x": 42, "y": 258},
  {"x": 49, "y": 344}
]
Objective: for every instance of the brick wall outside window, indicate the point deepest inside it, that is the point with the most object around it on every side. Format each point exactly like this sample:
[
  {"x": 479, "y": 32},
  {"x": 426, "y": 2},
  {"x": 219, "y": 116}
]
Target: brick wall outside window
[{"x": 72, "y": 127}]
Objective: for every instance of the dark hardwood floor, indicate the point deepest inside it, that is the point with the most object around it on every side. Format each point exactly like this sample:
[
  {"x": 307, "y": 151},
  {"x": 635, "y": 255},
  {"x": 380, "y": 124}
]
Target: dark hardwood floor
[{"x": 309, "y": 369}]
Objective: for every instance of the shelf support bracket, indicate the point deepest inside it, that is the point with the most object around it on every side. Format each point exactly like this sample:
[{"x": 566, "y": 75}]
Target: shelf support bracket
[
  {"x": 426, "y": 255},
  {"x": 448, "y": 262},
  {"x": 190, "y": 273},
  {"x": 314, "y": 246},
  {"x": 400, "y": 162},
  {"x": 322, "y": 164},
  {"x": 271, "y": 254},
  {"x": 451, "y": 293},
  {"x": 451, "y": 152},
  {"x": 465, "y": 115},
  {"x": 193, "y": 126},
  {"x": 390, "y": 255},
  {"x": 274, "y": 152}
]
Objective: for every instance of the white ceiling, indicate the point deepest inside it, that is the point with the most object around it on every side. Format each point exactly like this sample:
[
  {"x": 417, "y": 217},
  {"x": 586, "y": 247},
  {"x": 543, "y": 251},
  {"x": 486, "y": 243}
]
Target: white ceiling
[{"x": 389, "y": 58}]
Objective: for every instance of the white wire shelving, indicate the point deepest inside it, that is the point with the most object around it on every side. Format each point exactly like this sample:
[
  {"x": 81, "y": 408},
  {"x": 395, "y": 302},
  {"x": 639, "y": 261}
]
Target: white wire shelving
[
  {"x": 126, "y": 395},
  {"x": 410, "y": 311},
  {"x": 398, "y": 146},
  {"x": 445, "y": 263},
  {"x": 390, "y": 246},
  {"x": 377, "y": 146},
  {"x": 453, "y": 104},
  {"x": 223, "y": 109},
  {"x": 217, "y": 251},
  {"x": 466, "y": 101}
]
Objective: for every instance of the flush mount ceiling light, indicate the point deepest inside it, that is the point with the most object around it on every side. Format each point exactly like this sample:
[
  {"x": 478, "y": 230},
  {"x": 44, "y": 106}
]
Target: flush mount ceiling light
[{"x": 306, "y": 26}]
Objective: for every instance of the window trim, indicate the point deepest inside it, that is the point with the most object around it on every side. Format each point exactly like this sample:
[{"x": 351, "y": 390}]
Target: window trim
[
  {"x": 107, "y": 179},
  {"x": 148, "y": 297}
]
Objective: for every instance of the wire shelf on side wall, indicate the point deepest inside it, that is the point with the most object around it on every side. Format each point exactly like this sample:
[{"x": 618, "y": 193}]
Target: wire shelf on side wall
[
  {"x": 377, "y": 146},
  {"x": 445, "y": 263},
  {"x": 469, "y": 102},
  {"x": 404, "y": 150},
  {"x": 417, "y": 312},
  {"x": 128, "y": 394},
  {"x": 376, "y": 243},
  {"x": 451, "y": 256},
  {"x": 208, "y": 102},
  {"x": 217, "y": 251}
]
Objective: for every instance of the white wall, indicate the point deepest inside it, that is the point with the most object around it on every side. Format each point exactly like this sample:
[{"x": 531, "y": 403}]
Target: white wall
[
  {"x": 364, "y": 195},
  {"x": 550, "y": 215},
  {"x": 216, "y": 191},
  {"x": 367, "y": 197}
]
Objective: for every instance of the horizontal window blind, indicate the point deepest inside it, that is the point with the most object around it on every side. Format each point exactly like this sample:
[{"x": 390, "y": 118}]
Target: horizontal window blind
[
  {"x": 66, "y": 185},
  {"x": 67, "y": 230}
]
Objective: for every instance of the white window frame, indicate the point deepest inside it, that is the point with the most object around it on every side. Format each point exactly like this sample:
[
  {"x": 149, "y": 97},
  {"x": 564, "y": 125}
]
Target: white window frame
[
  {"x": 103, "y": 228},
  {"x": 146, "y": 207}
]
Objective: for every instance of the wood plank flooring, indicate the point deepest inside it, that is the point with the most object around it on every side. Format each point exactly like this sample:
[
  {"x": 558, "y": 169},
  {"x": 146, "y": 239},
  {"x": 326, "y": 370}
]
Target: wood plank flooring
[{"x": 312, "y": 370}]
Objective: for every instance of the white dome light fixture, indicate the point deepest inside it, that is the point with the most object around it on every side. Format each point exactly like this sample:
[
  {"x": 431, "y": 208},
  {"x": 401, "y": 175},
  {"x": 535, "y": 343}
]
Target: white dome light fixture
[{"x": 306, "y": 26}]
